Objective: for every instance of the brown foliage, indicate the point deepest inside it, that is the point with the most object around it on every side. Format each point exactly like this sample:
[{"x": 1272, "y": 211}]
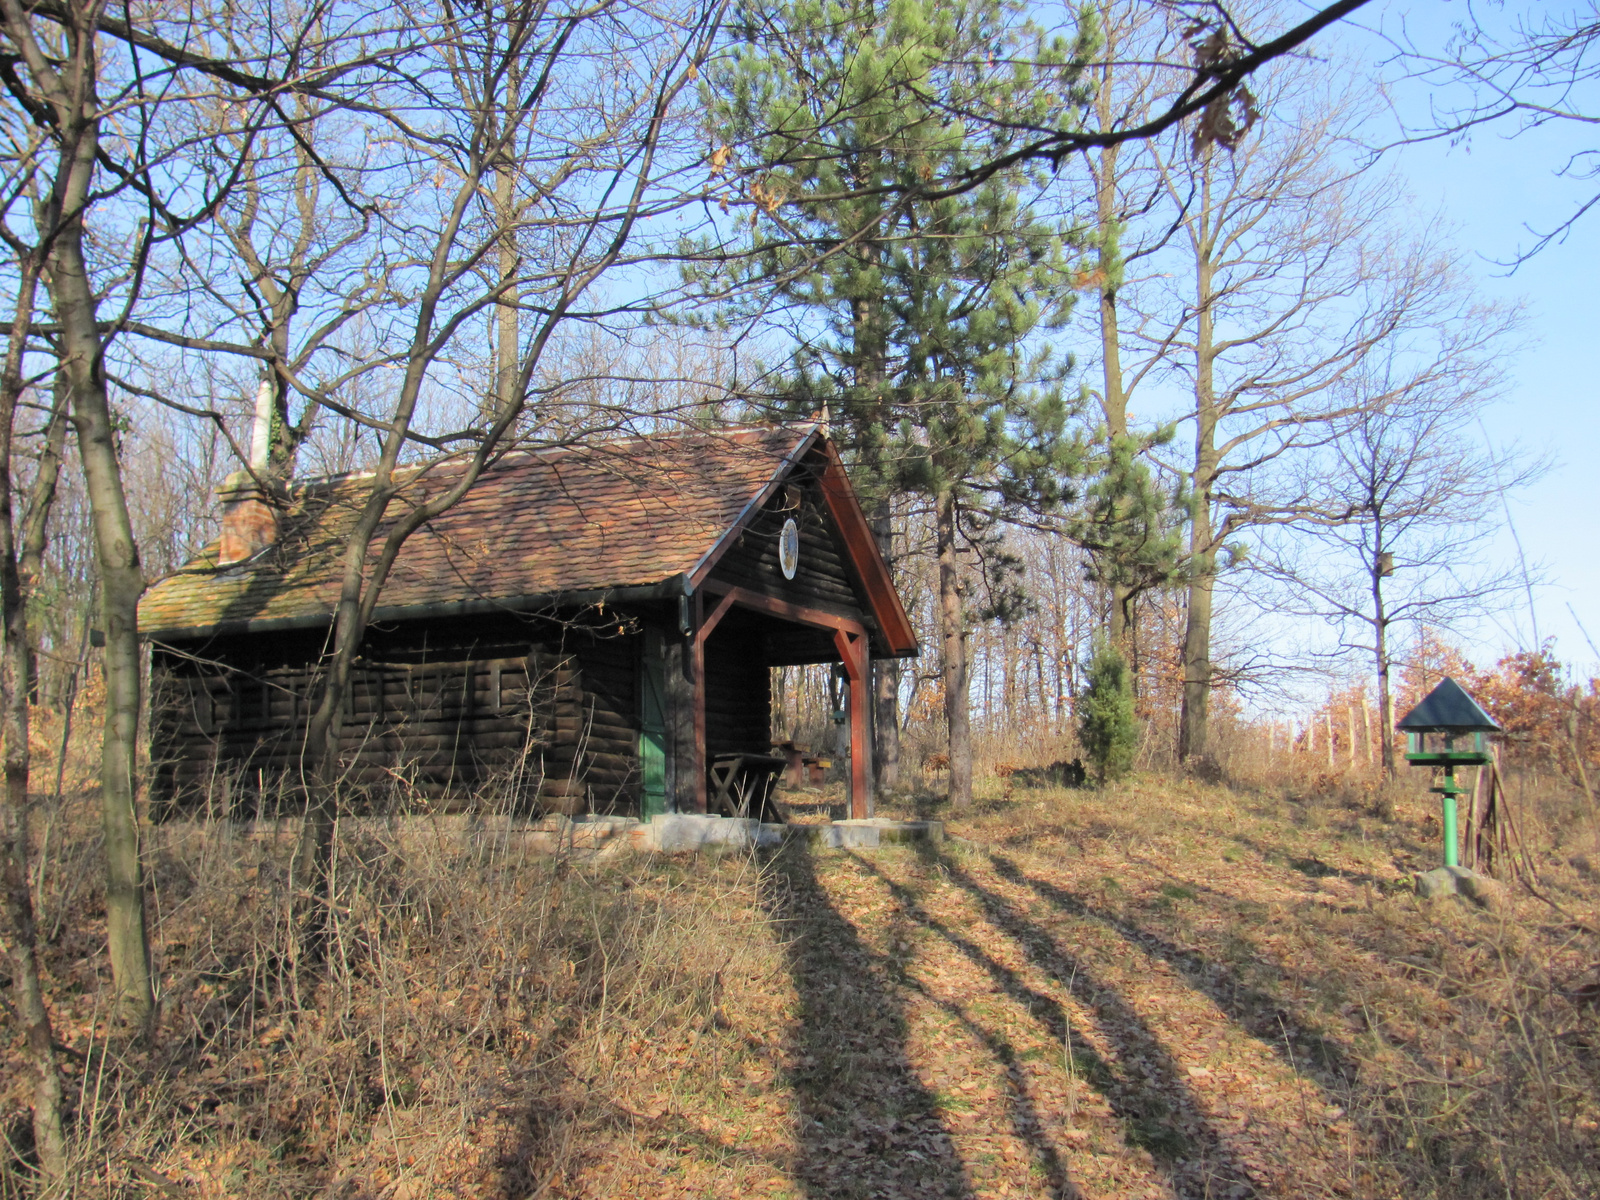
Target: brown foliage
[{"x": 1549, "y": 720}]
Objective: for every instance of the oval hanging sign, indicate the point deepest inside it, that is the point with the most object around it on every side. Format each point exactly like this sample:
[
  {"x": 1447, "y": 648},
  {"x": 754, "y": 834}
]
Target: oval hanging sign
[{"x": 789, "y": 548}]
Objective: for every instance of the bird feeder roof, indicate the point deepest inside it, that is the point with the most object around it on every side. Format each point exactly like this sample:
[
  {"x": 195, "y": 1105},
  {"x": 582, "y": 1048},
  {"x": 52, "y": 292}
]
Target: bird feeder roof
[{"x": 1448, "y": 709}]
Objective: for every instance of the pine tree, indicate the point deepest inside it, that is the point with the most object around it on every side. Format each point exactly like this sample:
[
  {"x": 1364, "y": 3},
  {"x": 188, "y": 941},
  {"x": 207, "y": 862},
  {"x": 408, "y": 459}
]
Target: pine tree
[
  {"x": 984, "y": 435},
  {"x": 919, "y": 316},
  {"x": 1108, "y": 730},
  {"x": 1130, "y": 527}
]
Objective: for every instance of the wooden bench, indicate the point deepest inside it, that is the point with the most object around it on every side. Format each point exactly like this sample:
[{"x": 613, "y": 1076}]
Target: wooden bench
[{"x": 801, "y": 768}]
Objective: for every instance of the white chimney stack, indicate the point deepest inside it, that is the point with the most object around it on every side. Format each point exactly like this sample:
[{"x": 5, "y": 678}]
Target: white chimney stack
[
  {"x": 249, "y": 519},
  {"x": 261, "y": 435}
]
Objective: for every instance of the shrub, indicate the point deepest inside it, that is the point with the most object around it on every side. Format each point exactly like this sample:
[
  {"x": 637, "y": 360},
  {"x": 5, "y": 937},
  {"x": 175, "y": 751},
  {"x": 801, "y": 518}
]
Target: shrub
[{"x": 1107, "y": 727}]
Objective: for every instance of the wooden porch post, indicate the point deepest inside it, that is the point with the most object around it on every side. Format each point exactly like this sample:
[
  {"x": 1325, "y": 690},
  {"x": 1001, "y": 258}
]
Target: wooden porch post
[
  {"x": 703, "y": 625},
  {"x": 853, "y": 652},
  {"x": 697, "y": 667}
]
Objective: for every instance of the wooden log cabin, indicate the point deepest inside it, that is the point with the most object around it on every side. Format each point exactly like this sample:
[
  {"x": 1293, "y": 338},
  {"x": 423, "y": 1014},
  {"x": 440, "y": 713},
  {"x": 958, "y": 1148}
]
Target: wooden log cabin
[{"x": 588, "y": 629}]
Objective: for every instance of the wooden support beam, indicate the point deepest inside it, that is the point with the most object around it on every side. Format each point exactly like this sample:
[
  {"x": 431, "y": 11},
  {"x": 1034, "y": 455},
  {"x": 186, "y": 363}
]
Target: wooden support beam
[
  {"x": 703, "y": 625},
  {"x": 800, "y": 614},
  {"x": 697, "y": 665},
  {"x": 717, "y": 613},
  {"x": 853, "y": 653}
]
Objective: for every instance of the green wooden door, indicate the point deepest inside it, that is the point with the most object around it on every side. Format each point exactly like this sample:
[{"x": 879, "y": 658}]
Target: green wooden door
[{"x": 652, "y": 725}]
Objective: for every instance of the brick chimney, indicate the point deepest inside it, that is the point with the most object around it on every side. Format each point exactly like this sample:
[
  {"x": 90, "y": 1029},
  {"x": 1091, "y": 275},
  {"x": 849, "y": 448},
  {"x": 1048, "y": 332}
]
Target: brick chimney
[{"x": 249, "y": 517}]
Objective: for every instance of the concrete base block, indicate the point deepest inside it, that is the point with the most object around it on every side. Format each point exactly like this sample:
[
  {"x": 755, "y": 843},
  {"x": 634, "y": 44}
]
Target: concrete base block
[
  {"x": 1435, "y": 883},
  {"x": 672, "y": 832},
  {"x": 838, "y": 835},
  {"x": 898, "y": 832},
  {"x": 1486, "y": 893},
  {"x": 690, "y": 831},
  {"x": 868, "y": 834}
]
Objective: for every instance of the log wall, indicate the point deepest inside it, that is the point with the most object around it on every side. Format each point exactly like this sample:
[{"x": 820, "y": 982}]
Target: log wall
[
  {"x": 738, "y": 692},
  {"x": 823, "y": 578},
  {"x": 498, "y": 712}
]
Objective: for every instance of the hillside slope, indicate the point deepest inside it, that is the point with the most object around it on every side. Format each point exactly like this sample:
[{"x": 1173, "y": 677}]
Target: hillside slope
[{"x": 1157, "y": 990}]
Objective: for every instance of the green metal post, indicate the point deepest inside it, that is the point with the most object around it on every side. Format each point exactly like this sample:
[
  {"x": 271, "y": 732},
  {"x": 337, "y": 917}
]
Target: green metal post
[{"x": 1447, "y": 799}]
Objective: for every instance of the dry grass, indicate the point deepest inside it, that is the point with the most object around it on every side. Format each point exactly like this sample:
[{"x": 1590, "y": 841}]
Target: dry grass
[
  {"x": 1167, "y": 988},
  {"x": 490, "y": 1023},
  {"x": 1463, "y": 1046}
]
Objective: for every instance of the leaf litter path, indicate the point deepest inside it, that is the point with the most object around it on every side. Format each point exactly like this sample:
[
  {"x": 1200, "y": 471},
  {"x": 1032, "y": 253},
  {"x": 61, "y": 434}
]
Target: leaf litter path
[{"x": 968, "y": 1024}]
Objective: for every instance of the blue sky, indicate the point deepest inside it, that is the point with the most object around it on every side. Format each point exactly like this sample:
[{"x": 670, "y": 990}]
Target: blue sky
[{"x": 1490, "y": 191}]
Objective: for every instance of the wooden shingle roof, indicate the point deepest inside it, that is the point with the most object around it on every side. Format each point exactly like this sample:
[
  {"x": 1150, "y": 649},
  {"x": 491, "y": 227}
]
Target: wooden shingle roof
[{"x": 611, "y": 516}]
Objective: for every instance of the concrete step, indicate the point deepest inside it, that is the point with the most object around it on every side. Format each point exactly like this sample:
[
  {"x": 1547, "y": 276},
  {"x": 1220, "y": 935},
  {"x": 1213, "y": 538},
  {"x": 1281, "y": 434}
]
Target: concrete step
[{"x": 671, "y": 832}]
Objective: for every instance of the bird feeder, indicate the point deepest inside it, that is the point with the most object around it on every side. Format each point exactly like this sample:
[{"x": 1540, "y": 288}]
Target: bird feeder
[{"x": 1448, "y": 730}]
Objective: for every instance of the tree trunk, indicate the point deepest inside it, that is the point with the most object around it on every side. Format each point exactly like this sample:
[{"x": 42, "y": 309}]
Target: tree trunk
[
  {"x": 954, "y": 633},
  {"x": 508, "y": 334},
  {"x": 49, "y": 1137},
  {"x": 1385, "y": 696},
  {"x": 885, "y": 679},
  {"x": 67, "y": 83},
  {"x": 313, "y": 852},
  {"x": 121, "y": 584},
  {"x": 871, "y": 415},
  {"x": 1194, "y": 719}
]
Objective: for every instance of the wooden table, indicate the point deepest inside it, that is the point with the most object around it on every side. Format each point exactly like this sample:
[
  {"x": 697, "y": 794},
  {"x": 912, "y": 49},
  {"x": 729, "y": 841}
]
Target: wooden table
[{"x": 739, "y": 779}]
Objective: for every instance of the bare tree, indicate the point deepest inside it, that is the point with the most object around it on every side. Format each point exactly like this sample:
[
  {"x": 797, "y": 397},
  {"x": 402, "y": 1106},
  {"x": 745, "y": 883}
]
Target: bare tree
[
  {"x": 590, "y": 137},
  {"x": 1399, "y": 509},
  {"x": 1522, "y": 70},
  {"x": 59, "y": 90},
  {"x": 1293, "y": 280},
  {"x": 19, "y": 563},
  {"x": 363, "y": 212}
]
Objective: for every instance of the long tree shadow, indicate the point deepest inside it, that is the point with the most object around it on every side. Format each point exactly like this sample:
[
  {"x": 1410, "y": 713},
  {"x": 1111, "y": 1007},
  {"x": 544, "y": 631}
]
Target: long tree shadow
[
  {"x": 869, "y": 1127},
  {"x": 1308, "y": 865},
  {"x": 1028, "y": 1122},
  {"x": 1146, "y": 1087},
  {"x": 1250, "y": 1008}
]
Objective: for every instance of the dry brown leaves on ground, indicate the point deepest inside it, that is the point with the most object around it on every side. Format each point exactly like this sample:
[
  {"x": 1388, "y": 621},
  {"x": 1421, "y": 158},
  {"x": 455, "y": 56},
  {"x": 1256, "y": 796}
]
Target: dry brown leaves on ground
[{"x": 1153, "y": 991}]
